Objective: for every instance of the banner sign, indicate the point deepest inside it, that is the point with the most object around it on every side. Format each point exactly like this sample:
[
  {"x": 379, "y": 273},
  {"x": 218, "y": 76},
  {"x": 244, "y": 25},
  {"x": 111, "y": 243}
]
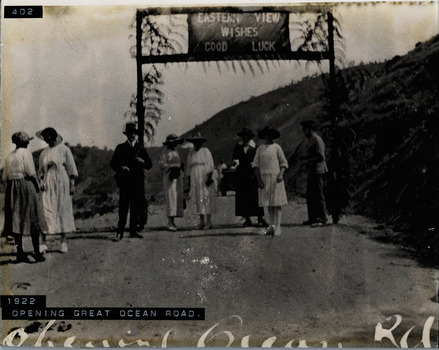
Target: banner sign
[{"x": 223, "y": 33}]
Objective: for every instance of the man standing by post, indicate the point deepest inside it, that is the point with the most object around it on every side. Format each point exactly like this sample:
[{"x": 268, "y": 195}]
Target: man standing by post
[
  {"x": 129, "y": 161},
  {"x": 315, "y": 163}
]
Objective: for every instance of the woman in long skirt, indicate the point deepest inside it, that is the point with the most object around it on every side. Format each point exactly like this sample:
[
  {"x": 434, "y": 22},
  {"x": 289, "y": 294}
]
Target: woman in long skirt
[
  {"x": 246, "y": 199},
  {"x": 23, "y": 214},
  {"x": 270, "y": 164},
  {"x": 172, "y": 180},
  {"x": 200, "y": 170},
  {"x": 57, "y": 172}
]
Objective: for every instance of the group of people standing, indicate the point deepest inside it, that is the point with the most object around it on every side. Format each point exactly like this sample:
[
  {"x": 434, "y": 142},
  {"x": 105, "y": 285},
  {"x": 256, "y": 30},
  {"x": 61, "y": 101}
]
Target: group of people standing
[
  {"x": 38, "y": 203},
  {"x": 129, "y": 161},
  {"x": 259, "y": 178},
  {"x": 260, "y": 190}
]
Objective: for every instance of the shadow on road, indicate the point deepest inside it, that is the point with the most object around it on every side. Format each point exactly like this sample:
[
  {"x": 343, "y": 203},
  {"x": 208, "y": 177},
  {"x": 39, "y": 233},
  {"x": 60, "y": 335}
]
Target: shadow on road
[
  {"x": 293, "y": 225},
  {"x": 223, "y": 234}
]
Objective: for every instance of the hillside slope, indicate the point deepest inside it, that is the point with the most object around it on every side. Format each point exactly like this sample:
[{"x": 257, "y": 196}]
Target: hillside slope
[
  {"x": 402, "y": 131},
  {"x": 390, "y": 113},
  {"x": 283, "y": 109}
]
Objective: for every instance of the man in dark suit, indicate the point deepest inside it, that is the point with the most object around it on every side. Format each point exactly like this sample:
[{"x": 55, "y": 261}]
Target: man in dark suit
[
  {"x": 129, "y": 161},
  {"x": 315, "y": 163}
]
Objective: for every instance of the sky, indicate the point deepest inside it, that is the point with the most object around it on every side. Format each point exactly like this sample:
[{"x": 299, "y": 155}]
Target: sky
[{"x": 73, "y": 70}]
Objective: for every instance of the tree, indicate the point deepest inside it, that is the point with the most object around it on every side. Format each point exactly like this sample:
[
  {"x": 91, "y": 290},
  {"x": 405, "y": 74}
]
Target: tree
[
  {"x": 152, "y": 99},
  {"x": 158, "y": 38}
]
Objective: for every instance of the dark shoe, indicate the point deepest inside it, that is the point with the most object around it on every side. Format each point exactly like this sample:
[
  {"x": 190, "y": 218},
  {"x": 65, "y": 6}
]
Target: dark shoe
[
  {"x": 23, "y": 258},
  {"x": 135, "y": 235},
  {"x": 39, "y": 257},
  {"x": 248, "y": 223},
  {"x": 308, "y": 222},
  {"x": 318, "y": 223}
]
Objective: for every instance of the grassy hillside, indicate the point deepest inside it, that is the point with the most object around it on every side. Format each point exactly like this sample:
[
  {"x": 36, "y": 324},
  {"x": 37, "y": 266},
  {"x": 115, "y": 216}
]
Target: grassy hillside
[
  {"x": 387, "y": 131},
  {"x": 399, "y": 183}
]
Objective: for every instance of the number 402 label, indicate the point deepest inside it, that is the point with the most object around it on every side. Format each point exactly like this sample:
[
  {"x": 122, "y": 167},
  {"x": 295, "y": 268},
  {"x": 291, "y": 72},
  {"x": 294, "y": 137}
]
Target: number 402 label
[{"x": 23, "y": 12}]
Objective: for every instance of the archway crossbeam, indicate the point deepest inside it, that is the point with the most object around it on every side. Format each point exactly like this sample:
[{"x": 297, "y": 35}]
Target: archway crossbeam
[{"x": 233, "y": 34}]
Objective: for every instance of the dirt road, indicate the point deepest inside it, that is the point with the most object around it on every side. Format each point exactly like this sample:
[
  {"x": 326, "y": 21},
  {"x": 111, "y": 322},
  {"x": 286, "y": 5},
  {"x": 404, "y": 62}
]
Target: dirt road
[{"x": 315, "y": 286}]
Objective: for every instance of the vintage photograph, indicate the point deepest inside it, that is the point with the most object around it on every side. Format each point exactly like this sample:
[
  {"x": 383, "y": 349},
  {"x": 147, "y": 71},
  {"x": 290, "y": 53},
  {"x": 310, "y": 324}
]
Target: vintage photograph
[{"x": 259, "y": 174}]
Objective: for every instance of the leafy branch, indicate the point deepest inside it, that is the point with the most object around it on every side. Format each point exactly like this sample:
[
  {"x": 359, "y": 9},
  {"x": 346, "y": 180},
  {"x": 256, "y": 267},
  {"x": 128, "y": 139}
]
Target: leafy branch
[{"x": 158, "y": 38}]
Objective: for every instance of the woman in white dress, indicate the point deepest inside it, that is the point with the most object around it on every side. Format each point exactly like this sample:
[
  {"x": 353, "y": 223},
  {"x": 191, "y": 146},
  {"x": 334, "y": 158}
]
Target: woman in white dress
[
  {"x": 270, "y": 164},
  {"x": 23, "y": 214},
  {"x": 57, "y": 172},
  {"x": 170, "y": 166},
  {"x": 200, "y": 171}
]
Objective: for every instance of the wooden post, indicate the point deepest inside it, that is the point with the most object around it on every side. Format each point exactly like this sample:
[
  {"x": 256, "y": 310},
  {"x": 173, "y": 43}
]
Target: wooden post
[
  {"x": 332, "y": 85},
  {"x": 335, "y": 163},
  {"x": 140, "y": 109}
]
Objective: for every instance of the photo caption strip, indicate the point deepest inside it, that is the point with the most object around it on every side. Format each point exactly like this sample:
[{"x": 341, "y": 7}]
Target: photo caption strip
[
  {"x": 24, "y": 11},
  {"x": 34, "y": 307}
]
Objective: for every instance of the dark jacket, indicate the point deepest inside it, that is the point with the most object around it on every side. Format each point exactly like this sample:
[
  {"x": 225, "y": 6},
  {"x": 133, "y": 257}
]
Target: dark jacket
[
  {"x": 244, "y": 170},
  {"x": 128, "y": 156}
]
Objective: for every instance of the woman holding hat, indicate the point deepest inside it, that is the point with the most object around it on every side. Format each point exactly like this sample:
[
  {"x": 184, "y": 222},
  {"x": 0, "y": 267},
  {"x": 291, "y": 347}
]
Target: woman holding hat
[
  {"x": 170, "y": 166},
  {"x": 270, "y": 164},
  {"x": 200, "y": 171},
  {"x": 57, "y": 172},
  {"x": 23, "y": 215},
  {"x": 246, "y": 199}
]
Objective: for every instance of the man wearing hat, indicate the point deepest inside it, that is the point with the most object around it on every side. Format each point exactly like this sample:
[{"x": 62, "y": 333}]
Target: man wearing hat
[
  {"x": 315, "y": 163},
  {"x": 129, "y": 161}
]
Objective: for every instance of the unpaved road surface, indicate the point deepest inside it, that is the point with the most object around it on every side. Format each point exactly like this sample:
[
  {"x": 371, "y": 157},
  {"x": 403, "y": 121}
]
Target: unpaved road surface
[{"x": 315, "y": 286}]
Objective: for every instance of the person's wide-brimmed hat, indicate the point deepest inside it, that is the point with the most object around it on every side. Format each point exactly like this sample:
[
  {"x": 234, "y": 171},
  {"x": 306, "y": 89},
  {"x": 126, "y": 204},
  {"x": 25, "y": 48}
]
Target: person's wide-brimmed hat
[
  {"x": 173, "y": 139},
  {"x": 20, "y": 137},
  {"x": 196, "y": 138},
  {"x": 310, "y": 124},
  {"x": 130, "y": 128},
  {"x": 245, "y": 132},
  {"x": 47, "y": 132},
  {"x": 270, "y": 132}
]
